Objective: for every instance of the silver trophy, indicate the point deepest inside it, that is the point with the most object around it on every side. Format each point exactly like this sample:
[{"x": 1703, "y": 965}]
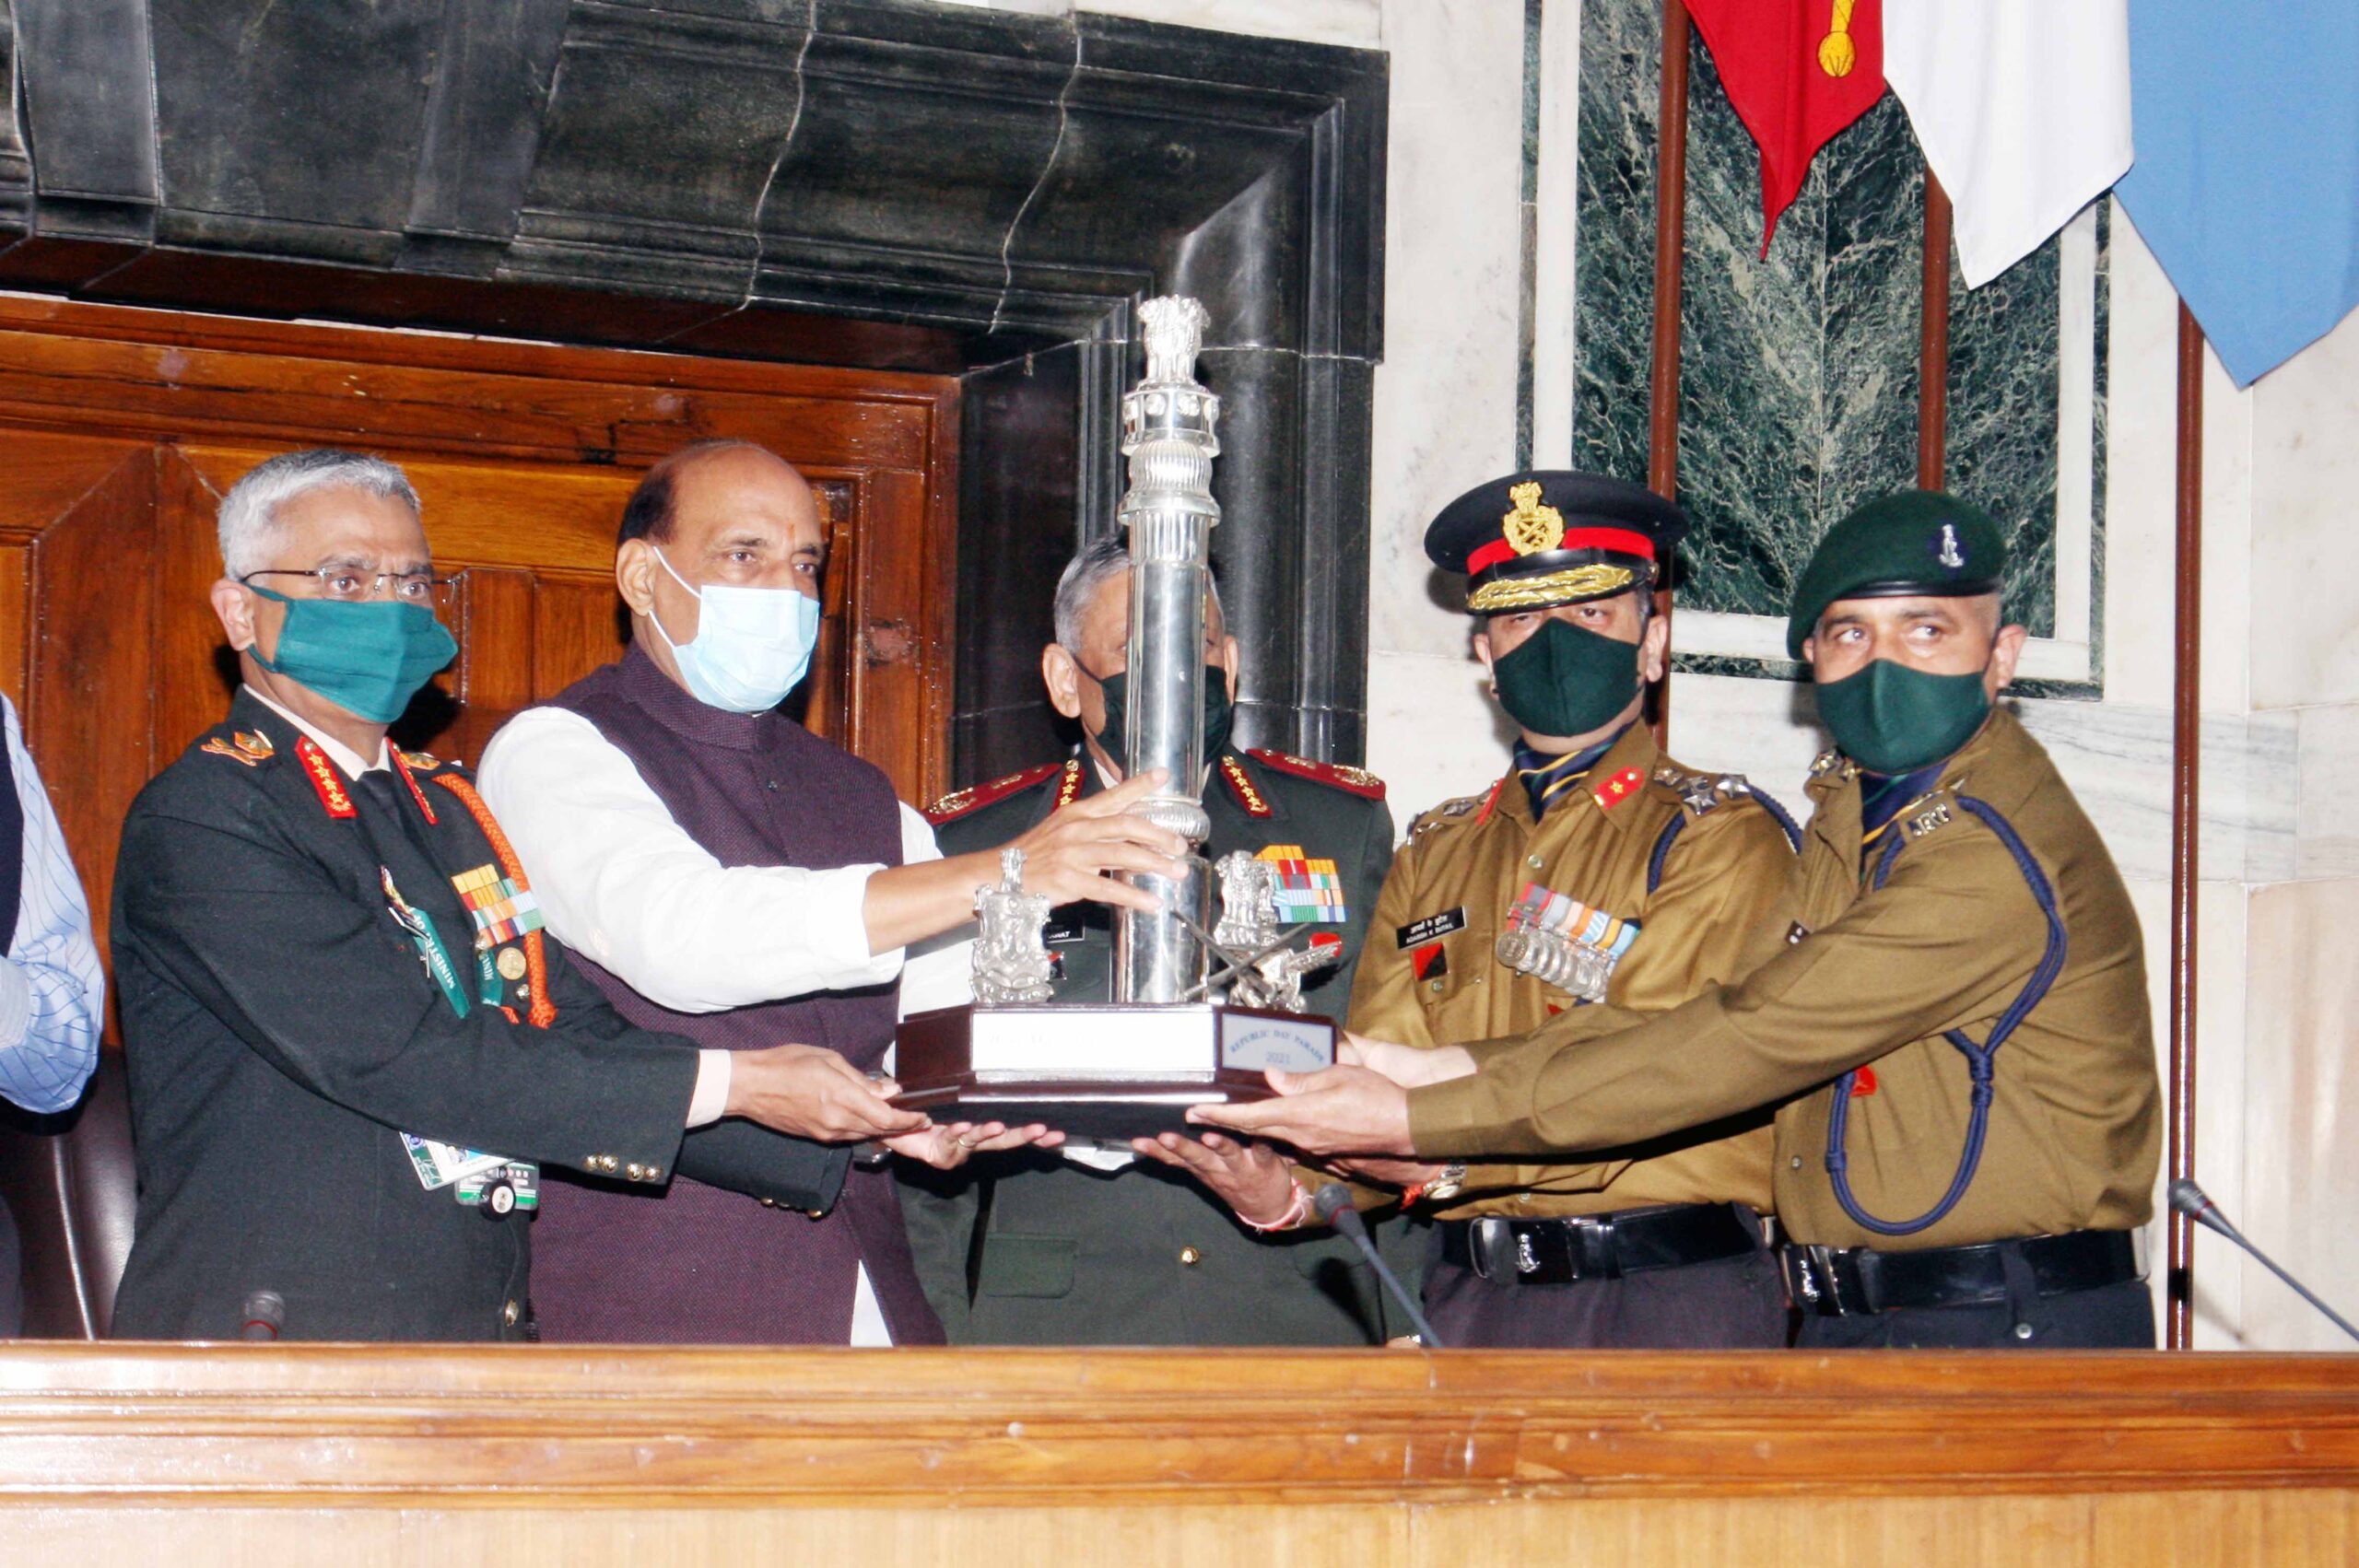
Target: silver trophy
[
  {"x": 1197, "y": 1015},
  {"x": 1169, "y": 512}
]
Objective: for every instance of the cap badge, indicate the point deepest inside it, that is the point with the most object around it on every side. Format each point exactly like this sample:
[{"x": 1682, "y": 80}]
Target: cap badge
[
  {"x": 1531, "y": 527},
  {"x": 1949, "y": 555}
]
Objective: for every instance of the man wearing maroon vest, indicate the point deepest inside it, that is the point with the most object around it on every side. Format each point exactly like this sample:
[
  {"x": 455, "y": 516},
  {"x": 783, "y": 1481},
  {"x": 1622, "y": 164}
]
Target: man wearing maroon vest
[{"x": 725, "y": 874}]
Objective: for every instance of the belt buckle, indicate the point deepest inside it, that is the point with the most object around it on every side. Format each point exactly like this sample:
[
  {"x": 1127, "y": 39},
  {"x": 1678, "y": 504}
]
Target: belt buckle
[
  {"x": 1491, "y": 1248},
  {"x": 1813, "y": 1277}
]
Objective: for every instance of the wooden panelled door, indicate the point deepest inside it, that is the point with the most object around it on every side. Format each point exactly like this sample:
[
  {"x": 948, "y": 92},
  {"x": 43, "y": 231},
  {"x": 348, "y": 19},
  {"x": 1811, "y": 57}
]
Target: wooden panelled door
[{"x": 120, "y": 430}]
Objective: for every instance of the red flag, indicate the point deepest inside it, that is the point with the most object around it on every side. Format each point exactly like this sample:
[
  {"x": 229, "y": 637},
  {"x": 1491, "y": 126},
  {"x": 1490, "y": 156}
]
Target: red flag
[{"x": 1796, "y": 71}]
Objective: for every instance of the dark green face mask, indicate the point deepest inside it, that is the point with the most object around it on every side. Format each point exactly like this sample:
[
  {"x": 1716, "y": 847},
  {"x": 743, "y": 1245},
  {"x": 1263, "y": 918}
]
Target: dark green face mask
[
  {"x": 1116, "y": 737},
  {"x": 367, "y": 659},
  {"x": 1565, "y": 680},
  {"x": 1890, "y": 719}
]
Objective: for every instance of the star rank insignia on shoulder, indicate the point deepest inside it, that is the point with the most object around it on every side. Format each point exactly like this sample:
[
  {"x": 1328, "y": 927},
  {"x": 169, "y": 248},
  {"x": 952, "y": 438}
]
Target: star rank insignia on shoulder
[
  {"x": 251, "y": 747},
  {"x": 975, "y": 797},
  {"x": 1240, "y": 784},
  {"x": 1359, "y": 781}
]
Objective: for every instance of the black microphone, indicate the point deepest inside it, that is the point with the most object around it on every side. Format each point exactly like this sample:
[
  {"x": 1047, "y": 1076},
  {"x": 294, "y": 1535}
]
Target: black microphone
[
  {"x": 1332, "y": 1203},
  {"x": 264, "y": 1316},
  {"x": 2196, "y": 1204}
]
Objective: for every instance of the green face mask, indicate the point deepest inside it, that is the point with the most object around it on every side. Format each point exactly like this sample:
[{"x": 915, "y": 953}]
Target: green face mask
[
  {"x": 1116, "y": 738},
  {"x": 367, "y": 659},
  {"x": 1564, "y": 681},
  {"x": 1890, "y": 719}
]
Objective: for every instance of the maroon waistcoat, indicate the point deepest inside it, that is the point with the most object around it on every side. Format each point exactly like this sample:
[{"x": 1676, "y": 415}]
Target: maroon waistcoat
[{"x": 694, "y": 1264}]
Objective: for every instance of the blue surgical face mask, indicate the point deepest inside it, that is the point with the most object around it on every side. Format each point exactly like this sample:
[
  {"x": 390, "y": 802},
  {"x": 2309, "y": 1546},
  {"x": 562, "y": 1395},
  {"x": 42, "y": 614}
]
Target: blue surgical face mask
[{"x": 752, "y": 647}]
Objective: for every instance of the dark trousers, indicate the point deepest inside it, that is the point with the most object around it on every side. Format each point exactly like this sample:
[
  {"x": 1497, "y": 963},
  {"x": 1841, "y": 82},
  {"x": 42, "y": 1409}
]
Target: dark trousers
[
  {"x": 2111, "y": 1318},
  {"x": 1729, "y": 1304}
]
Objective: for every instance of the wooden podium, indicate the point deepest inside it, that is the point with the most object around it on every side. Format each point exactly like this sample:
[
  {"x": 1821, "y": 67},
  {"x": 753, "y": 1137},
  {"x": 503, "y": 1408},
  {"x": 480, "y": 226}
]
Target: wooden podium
[{"x": 237, "y": 1454}]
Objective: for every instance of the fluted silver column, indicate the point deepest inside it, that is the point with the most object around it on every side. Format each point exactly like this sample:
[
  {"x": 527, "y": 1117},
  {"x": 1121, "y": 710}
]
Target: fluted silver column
[{"x": 1168, "y": 435}]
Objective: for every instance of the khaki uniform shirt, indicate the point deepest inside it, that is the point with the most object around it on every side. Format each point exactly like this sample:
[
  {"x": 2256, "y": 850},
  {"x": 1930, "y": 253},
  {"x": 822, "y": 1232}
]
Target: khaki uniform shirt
[
  {"x": 1853, "y": 975},
  {"x": 1472, "y": 859}
]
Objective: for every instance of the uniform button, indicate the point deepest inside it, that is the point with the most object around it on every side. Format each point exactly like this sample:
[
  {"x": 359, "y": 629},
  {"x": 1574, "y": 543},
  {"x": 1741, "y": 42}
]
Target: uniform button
[
  {"x": 635, "y": 1170},
  {"x": 1534, "y": 862},
  {"x": 817, "y": 1213},
  {"x": 2022, "y": 1330},
  {"x": 510, "y": 1313},
  {"x": 1190, "y": 1256},
  {"x": 1796, "y": 1161},
  {"x": 767, "y": 1202},
  {"x": 655, "y": 1173},
  {"x": 1433, "y": 986}
]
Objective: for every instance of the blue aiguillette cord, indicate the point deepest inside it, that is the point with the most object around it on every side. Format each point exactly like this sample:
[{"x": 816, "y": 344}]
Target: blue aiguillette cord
[{"x": 1981, "y": 1062}]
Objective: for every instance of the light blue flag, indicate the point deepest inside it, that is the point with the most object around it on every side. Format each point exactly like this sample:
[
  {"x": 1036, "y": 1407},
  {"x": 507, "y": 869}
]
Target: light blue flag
[{"x": 2247, "y": 183}]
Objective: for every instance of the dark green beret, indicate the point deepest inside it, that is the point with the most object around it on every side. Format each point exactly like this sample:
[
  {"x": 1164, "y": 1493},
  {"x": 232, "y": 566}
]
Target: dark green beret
[{"x": 1918, "y": 541}]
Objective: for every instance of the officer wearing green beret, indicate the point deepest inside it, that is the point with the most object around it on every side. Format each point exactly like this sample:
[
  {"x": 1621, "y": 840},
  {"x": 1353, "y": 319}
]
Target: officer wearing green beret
[
  {"x": 1595, "y": 870},
  {"x": 1101, "y": 1247},
  {"x": 1948, "y": 1010}
]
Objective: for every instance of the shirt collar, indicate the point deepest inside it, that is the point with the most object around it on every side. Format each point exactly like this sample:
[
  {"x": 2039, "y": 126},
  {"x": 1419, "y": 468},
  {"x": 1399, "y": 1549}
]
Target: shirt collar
[{"x": 344, "y": 757}]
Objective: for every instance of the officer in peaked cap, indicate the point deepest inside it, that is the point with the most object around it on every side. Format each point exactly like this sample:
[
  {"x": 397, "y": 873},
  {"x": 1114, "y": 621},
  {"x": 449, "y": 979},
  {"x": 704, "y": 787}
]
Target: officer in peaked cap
[
  {"x": 1947, "y": 1011},
  {"x": 1594, "y": 869}
]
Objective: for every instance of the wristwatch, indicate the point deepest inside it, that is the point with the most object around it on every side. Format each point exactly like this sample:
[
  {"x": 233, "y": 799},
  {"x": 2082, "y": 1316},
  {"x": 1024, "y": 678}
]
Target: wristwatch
[{"x": 1442, "y": 1189}]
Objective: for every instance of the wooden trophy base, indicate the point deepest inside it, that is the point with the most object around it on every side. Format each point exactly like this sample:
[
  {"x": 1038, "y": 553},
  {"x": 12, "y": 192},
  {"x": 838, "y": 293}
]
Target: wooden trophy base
[{"x": 1099, "y": 1071}]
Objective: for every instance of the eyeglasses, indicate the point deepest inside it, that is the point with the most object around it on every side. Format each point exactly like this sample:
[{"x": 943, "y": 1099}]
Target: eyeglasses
[{"x": 351, "y": 585}]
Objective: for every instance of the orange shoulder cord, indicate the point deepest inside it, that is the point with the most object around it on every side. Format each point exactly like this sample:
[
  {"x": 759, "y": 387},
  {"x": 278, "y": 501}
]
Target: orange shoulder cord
[{"x": 536, "y": 958}]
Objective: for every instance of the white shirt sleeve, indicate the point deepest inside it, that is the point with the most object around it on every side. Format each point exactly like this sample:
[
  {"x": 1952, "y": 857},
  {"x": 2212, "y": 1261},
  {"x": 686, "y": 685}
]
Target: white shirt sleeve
[
  {"x": 938, "y": 971},
  {"x": 619, "y": 880}
]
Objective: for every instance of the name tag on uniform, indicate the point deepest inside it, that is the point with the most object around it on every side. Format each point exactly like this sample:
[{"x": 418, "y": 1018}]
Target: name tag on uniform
[{"x": 1431, "y": 928}]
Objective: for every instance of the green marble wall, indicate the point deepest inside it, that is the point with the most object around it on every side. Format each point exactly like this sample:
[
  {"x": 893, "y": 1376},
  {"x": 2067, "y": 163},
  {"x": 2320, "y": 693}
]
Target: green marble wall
[{"x": 1798, "y": 376}]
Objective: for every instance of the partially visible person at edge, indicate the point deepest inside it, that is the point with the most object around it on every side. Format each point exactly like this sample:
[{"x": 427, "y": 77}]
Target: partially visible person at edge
[
  {"x": 52, "y": 993},
  {"x": 1096, "y": 1249},
  {"x": 1596, "y": 870},
  {"x": 351, "y": 1047},
  {"x": 1948, "y": 1009},
  {"x": 723, "y": 873}
]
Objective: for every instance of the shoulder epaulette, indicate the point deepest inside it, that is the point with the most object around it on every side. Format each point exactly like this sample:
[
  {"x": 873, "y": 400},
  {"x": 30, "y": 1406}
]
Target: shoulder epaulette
[
  {"x": 1700, "y": 792},
  {"x": 1456, "y": 810},
  {"x": 959, "y": 802},
  {"x": 1358, "y": 780},
  {"x": 1240, "y": 784},
  {"x": 251, "y": 747}
]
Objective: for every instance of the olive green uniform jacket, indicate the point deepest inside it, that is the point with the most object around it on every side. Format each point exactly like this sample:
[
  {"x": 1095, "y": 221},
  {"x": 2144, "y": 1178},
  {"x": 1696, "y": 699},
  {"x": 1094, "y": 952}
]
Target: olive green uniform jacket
[
  {"x": 1696, "y": 861},
  {"x": 1033, "y": 1248},
  {"x": 1878, "y": 953}
]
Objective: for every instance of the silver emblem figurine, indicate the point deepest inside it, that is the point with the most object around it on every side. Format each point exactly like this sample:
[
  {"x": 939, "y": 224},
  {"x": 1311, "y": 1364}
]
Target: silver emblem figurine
[
  {"x": 1249, "y": 903},
  {"x": 1011, "y": 959},
  {"x": 1261, "y": 970}
]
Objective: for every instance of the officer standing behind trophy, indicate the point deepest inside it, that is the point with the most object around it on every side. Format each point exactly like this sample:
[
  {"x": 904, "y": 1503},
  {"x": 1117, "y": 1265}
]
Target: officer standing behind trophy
[
  {"x": 1595, "y": 870},
  {"x": 1028, "y": 1248},
  {"x": 350, "y": 1044},
  {"x": 1948, "y": 1010}
]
